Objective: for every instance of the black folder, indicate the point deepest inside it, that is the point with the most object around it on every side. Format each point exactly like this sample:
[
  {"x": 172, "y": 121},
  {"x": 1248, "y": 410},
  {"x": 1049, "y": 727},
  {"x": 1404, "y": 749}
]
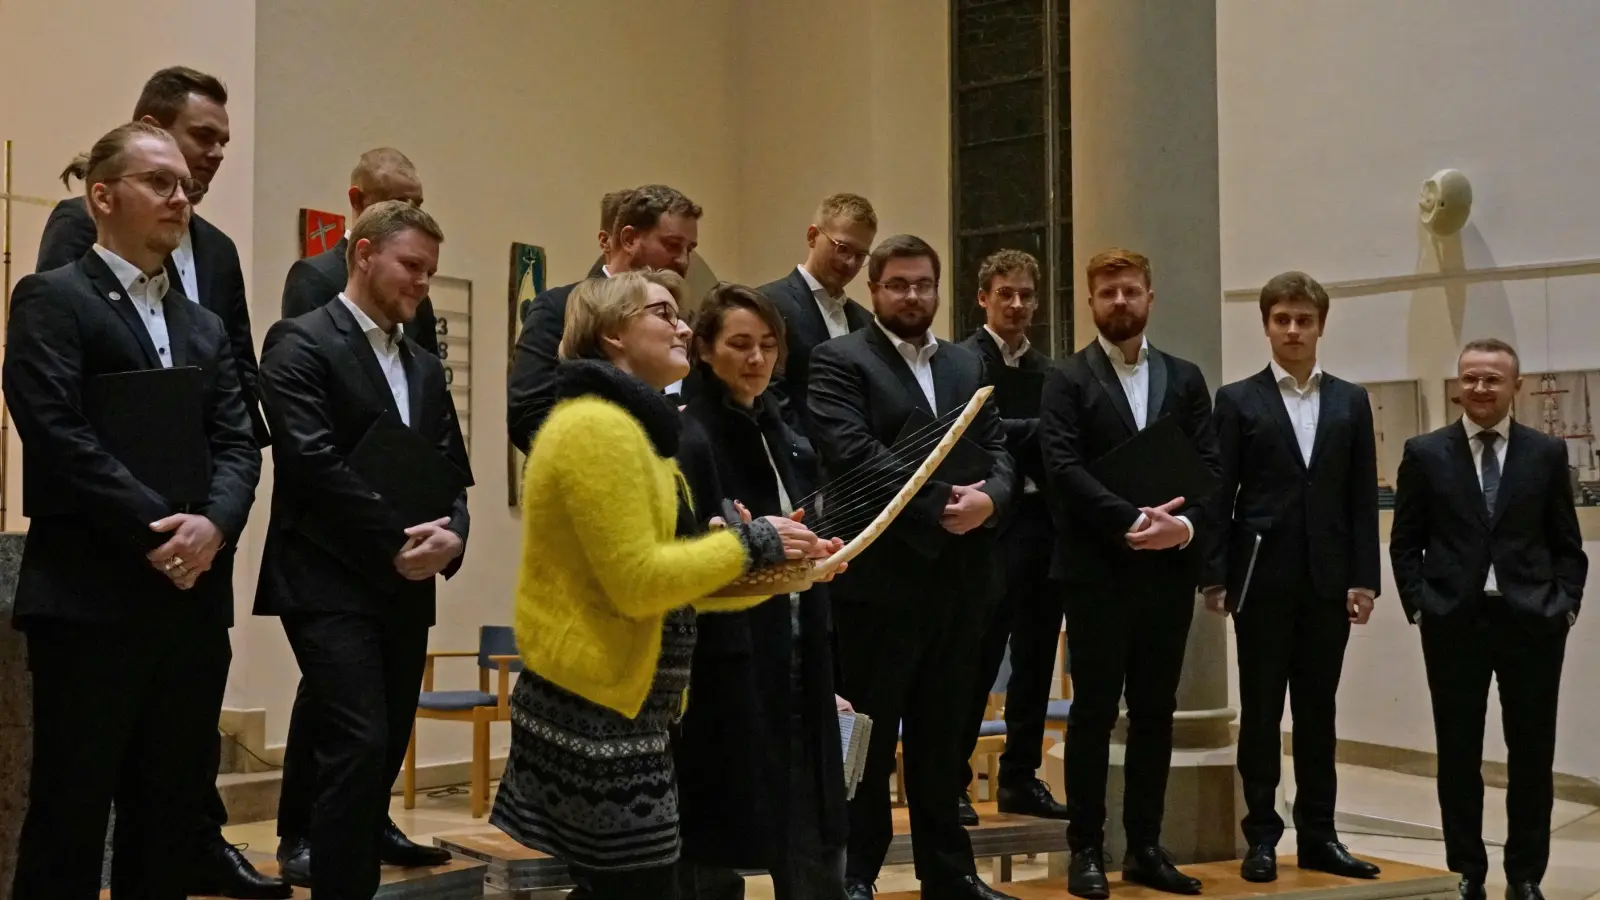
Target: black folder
[
  {"x": 407, "y": 471},
  {"x": 153, "y": 422},
  {"x": 967, "y": 463},
  {"x": 1156, "y": 465},
  {"x": 1017, "y": 392}
]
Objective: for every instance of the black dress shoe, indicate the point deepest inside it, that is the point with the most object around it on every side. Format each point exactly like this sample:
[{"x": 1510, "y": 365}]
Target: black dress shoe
[
  {"x": 856, "y": 889},
  {"x": 1086, "y": 875},
  {"x": 1335, "y": 859},
  {"x": 965, "y": 814},
  {"x": 220, "y": 869},
  {"x": 395, "y": 849},
  {"x": 294, "y": 861},
  {"x": 1472, "y": 889},
  {"x": 1522, "y": 890},
  {"x": 970, "y": 887},
  {"x": 1260, "y": 864},
  {"x": 1031, "y": 799},
  {"x": 1153, "y": 868}
]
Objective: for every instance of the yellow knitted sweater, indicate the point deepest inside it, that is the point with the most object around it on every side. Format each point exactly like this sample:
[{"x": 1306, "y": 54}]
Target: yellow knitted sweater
[{"x": 601, "y": 567}]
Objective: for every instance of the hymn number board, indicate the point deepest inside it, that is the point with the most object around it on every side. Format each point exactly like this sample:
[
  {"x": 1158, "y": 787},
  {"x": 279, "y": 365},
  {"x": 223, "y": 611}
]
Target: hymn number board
[{"x": 452, "y": 305}]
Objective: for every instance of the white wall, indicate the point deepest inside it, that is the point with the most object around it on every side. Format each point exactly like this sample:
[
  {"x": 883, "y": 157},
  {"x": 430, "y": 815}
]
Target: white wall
[{"x": 1331, "y": 114}]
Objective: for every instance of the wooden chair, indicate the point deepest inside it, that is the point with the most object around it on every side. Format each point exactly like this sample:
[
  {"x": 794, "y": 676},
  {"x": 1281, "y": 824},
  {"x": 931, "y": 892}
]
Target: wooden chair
[{"x": 497, "y": 652}]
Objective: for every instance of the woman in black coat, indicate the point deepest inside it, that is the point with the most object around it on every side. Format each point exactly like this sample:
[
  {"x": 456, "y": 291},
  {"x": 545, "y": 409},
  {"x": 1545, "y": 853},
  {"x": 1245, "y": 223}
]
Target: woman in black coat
[{"x": 760, "y": 773}]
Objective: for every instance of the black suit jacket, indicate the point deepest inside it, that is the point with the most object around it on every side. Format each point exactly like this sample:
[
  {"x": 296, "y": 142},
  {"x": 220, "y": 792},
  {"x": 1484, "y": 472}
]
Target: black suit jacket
[
  {"x": 1022, "y": 435},
  {"x": 315, "y": 280},
  {"x": 1444, "y": 539},
  {"x": 531, "y": 386},
  {"x": 1083, "y": 415},
  {"x": 90, "y": 530},
  {"x": 861, "y": 394},
  {"x": 323, "y": 388},
  {"x": 804, "y": 328},
  {"x": 1318, "y": 521},
  {"x": 69, "y": 233}
]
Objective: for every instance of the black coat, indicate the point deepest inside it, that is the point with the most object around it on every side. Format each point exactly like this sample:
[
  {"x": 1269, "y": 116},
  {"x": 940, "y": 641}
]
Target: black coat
[
  {"x": 531, "y": 386},
  {"x": 90, "y": 530},
  {"x": 69, "y": 233},
  {"x": 734, "y": 753},
  {"x": 804, "y": 328},
  {"x": 315, "y": 280},
  {"x": 1029, "y": 512}
]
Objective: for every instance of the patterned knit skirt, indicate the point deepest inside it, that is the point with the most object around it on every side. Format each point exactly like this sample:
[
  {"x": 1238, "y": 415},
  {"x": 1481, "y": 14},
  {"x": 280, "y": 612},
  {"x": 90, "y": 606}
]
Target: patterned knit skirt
[{"x": 589, "y": 785}]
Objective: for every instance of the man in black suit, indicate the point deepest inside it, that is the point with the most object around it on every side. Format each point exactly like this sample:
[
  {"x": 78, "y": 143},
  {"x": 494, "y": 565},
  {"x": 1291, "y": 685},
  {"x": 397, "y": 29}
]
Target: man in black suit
[
  {"x": 381, "y": 174},
  {"x": 906, "y": 611},
  {"x": 656, "y": 228},
  {"x": 1130, "y": 572},
  {"x": 203, "y": 267},
  {"x": 1294, "y": 556},
  {"x": 610, "y": 205},
  {"x": 1490, "y": 565},
  {"x": 353, "y": 582},
  {"x": 811, "y": 298},
  {"x": 1029, "y": 612},
  {"x": 125, "y": 598}
]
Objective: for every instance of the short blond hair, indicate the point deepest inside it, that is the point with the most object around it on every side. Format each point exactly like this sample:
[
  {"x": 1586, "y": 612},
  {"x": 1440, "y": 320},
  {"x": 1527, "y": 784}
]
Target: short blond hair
[
  {"x": 850, "y": 207},
  {"x": 388, "y": 219},
  {"x": 599, "y": 307}
]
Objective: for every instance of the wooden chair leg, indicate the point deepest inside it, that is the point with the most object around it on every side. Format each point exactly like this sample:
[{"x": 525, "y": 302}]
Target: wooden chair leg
[
  {"x": 410, "y": 782},
  {"x": 899, "y": 775},
  {"x": 480, "y": 762}
]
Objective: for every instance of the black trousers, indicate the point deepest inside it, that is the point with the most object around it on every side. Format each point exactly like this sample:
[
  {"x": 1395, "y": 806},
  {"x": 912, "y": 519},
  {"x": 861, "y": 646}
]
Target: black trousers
[
  {"x": 1461, "y": 651},
  {"x": 145, "y": 695},
  {"x": 360, "y": 675},
  {"x": 1125, "y": 637},
  {"x": 1292, "y": 641},
  {"x": 903, "y": 667},
  {"x": 298, "y": 791}
]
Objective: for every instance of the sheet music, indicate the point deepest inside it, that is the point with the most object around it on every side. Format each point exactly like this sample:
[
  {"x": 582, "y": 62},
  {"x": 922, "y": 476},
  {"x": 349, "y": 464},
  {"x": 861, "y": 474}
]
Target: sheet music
[
  {"x": 855, "y": 734},
  {"x": 1249, "y": 571}
]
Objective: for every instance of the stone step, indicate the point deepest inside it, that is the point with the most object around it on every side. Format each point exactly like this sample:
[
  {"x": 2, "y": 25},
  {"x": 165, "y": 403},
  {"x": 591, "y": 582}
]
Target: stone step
[{"x": 250, "y": 797}]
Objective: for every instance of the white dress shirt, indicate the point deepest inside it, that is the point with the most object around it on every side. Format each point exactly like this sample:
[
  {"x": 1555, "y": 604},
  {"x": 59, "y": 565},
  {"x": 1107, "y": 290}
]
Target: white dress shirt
[
  {"x": 1304, "y": 405},
  {"x": 1012, "y": 358},
  {"x": 386, "y": 346},
  {"x": 146, "y": 292},
  {"x": 183, "y": 261},
  {"x": 832, "y": 307},
  {"x": 1502, "y": 428},
  {"x": 920, "y": 359},
  {"x": 1135, "y": 378}
]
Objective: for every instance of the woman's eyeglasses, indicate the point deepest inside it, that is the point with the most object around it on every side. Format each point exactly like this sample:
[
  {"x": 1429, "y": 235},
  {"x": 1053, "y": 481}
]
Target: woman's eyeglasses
[{"x": 664, "y": 311}]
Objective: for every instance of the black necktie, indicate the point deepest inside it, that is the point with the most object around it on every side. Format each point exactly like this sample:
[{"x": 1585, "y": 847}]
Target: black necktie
[{"x": 1489, "y": 469}]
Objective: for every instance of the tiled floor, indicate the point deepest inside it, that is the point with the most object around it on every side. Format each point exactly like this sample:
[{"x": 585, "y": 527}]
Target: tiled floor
[{"x": 1575, "y": 846}]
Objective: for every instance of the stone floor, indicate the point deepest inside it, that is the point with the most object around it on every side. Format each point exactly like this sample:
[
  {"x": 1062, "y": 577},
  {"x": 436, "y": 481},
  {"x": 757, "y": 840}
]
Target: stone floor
[{"x": 1575, "y": 849}]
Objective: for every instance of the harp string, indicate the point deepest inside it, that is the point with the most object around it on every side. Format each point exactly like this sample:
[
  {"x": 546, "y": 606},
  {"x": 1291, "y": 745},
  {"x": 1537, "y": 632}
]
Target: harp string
[{"x": 926, "y": 437}]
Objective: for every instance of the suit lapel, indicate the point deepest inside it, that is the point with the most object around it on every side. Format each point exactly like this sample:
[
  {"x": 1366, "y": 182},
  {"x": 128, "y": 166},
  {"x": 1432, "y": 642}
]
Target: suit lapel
[
  {"x": 807, "y": 302},
  {"x": 1471, "y": 490},
  {"x": 1511, "y": 475},
  {"x": 112, "y": 291},
  {"x": 1328, "y": 406},
  {"x": 857, "y": 316},
  {"x": 897, "y": 364},
  {"x": 413, "y": 367},
  {"x": 944, "y": 378},
  {"x": 1100, "y": 364},
  {"x": 1272, "y": 399},
  {"x": 359, "y": 345},
  {"x": 179, "y": 327},
  {"x": 198, "y": 245},
  {"x": 1157, "y": 378}
]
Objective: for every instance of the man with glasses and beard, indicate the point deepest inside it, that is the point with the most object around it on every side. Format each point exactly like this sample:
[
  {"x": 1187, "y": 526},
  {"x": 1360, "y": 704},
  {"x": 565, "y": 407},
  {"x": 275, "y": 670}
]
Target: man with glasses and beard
[
  {"x": 908, "y": 609},
  {"x": 1130, "y": 572}
]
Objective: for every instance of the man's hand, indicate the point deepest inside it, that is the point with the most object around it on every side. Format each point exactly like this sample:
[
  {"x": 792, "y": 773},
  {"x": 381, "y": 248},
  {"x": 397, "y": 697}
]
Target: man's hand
[
  {"x": 840, "y": 704},
  {"x": 429, "y": 548},
  {"x": 1359, "y": 605},
  {"x": 1216, "y": 598},
  {"x": 189, "y": 551},
  {"x": 968, "y": 508},
  {"x": 1161, "y": 529}
]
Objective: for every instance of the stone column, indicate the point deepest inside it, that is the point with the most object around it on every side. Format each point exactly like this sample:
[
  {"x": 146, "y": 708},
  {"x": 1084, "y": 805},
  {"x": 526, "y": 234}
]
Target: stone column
[{"x": 1144, "y": 176}]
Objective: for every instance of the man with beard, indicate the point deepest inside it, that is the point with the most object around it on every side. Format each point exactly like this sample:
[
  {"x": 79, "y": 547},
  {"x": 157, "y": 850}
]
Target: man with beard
[
  {"x": 352, "y": 581},
  {"x": 1130, "y": 572},
  {"x": 1029, "y": 611},
  {"x": 656, "y": 227},
  {"x": 203, "y": 267},
  {"x": 381, "y": 174},
  {"x": 906, "y": 611}
]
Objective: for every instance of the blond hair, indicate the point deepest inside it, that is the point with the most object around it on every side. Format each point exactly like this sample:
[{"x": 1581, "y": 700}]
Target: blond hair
[
  {"x": 388, "y": 219},
  {"x": 600, "y": 307},
  {"x": 850, "y": 207}
]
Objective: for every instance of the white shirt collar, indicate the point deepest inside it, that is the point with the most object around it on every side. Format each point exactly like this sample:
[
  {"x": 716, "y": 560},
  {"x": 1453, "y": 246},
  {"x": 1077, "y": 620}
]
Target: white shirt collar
[
  {"x": 1116, "y": 354},
  {"x": 347, "y": 234},
  {"x": 1502, "y": 428},
  {"x": 153, "y": 287},
  {"x": 820, "y": 292},
  {"x": 606, "y": 270},
  {"x": 1005, "y": 349},
  {"x": 369, "y": 327},
  {"x": 909, "y": 350},
  {"x": 1280, "y": 375}
]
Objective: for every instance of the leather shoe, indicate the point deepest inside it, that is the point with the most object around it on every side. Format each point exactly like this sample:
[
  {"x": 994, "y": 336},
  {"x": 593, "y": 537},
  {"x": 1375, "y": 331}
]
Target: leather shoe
[
  {"x": 1260, "y": 864},
  {"x": 1086, "y": 875},
  {"x": 970, "y": 887},
  {"x": 1031, "y": 799},
  {"x": 1522, "y": 890},
  {"x": 1152, "y": 867},
  {"x": 1335, "y": 859},
  {"x": 294, "y": 861},
  {"x": 219, "y": 869},
  {"x": 856, "y": 889},
  {"x": 1472, "y": 889},
  {"x": 395, "y": 849},
  {"x": 965, "y": 814}
]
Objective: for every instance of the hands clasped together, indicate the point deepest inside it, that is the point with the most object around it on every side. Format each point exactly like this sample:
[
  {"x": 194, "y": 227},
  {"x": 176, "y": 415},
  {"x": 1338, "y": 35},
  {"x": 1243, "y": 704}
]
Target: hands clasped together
[
  {"x": 798, "y": 541},
  {"x": 429, "y": 548},
  {"x": 189, "y": 552},
  {"x": 1158, "y": 529}
]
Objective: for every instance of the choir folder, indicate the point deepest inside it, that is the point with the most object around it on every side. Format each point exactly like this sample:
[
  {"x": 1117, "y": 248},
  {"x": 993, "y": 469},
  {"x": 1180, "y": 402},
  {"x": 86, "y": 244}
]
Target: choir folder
[
  {"x": 408, "y": 471},
  {"x": 153, "y": 422},
  {"x": 1156, "y": 465}
]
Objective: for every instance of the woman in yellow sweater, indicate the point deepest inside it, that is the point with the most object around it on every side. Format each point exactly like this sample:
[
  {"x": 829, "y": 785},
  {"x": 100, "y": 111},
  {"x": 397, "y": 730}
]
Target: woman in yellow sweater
[{"x": 611, "y": 577}]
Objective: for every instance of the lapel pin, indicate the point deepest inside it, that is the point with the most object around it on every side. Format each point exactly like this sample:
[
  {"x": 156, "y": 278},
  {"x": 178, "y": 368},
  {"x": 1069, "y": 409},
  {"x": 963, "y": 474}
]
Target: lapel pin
[{"x": 116, "y": 296}]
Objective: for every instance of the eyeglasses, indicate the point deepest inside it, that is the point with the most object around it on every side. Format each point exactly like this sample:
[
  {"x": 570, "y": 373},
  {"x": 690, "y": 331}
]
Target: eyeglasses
[
  {"x": 1491, "y": 382},
  {"x": 847, "y": 254},
  {"x": 1006, "y": 296},
  {"x": 664, "y": 311},
  {"x": 899, "y": 287},
  {"x": 163, "y": 182}
]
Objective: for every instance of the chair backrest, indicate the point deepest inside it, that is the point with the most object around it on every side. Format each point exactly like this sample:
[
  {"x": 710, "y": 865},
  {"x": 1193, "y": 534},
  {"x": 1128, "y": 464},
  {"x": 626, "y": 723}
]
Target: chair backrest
[{"x": 497, "y": 640}]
